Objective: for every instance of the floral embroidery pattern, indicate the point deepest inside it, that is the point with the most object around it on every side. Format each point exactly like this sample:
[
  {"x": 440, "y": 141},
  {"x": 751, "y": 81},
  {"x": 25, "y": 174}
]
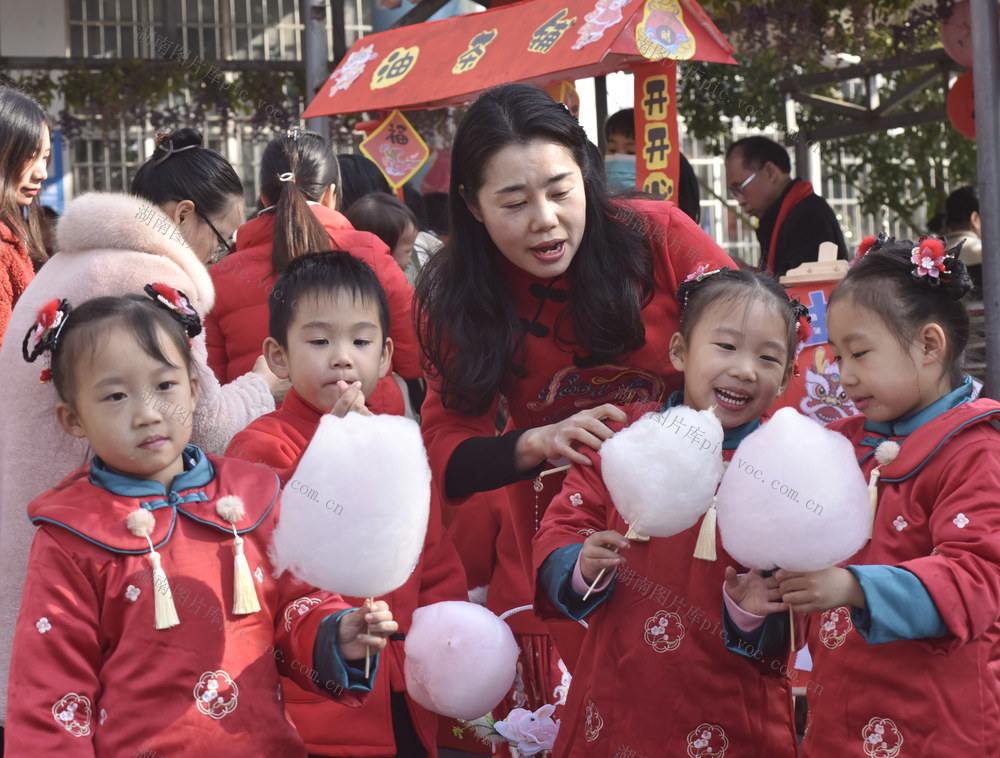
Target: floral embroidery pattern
[
  {"x": 960, "y": 520},
  {"x": 300, "y": 607},
  {"x": 586, "y": 532},
  {"x": 882, "y": 738},
  {"x": 900, "y": 523},
  {"x": 562, "y": 689},
  {"x": 103, "y": 717},
  {"x": 594, "y": 724},
  {"x": 664, "y": 631},
  {"x": 43, "y": 625},
  {"x": 707, "y": 740},
  {"x": 216, "y": 694},
  {"x": 834, "y": 626},
  {"x": 259, "y": 575},
  {"x": 576, "y": 499},
  {"x": 72, "y": 713},
  {"x": 132, "y": 592}
]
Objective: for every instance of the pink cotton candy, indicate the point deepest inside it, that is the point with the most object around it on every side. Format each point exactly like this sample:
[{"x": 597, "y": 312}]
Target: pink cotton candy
[{"x": 460, "y": 659}]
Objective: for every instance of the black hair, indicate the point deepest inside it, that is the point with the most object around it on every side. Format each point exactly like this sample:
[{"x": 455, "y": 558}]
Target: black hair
[
  {"x": 883, "y": 282},
  {"x": 323, "y": 273},
  {"x": 437, "y": 212},
  {"x": 414, "y": 200},
  {"x": 384, "y": 215},
  {"x": 360, "y": 176},
  {"x": 91, "y": 321},
  {"x": 181, "y": 169},
  {"x": 737, "y": 285},
  {"x": 467, "y": 324},
  {"x": 22, "y": 122},
  {"x": 688, "y": 192},
  {"x": 960, "y": 206},
  {"x": 309, "y": 168},
  {"x": 757, "y": 151},
  {"x": 622, "y": 122}
]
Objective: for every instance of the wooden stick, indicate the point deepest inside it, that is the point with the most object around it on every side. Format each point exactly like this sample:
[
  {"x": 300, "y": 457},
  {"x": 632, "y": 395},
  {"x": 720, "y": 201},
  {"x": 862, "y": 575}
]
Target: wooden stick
[
  {"x": 368, "y": 650},
  {"x": 628, "y": 535},
  {"x": 791, "y": 631},
  {"x": 567, "y": 467}
]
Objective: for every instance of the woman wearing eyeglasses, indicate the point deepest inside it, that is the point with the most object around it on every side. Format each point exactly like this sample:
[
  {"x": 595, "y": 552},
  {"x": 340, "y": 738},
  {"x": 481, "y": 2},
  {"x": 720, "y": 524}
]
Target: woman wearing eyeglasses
[
  {"x": 299, "y": 191},
  {"x": 187, "y": 200}
]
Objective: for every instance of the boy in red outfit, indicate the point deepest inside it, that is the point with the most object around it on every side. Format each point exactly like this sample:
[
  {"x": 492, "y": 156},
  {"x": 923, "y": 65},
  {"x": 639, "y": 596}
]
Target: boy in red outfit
[{"x": 328, "y": 324}]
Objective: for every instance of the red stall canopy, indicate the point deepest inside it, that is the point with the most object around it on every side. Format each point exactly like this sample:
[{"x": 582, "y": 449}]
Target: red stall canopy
[{"x": 448, "y": 62}]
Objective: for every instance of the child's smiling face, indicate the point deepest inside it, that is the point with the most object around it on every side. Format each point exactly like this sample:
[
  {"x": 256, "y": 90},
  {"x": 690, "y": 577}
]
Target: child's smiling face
[
  {"x": 735, "y": 359},
  {"x": 134, "y": 410}
]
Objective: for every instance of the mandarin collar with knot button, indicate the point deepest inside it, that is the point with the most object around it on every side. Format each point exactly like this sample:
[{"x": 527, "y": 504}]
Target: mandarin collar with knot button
[
  {"x": 192, "y": 494},
  {"x": 901, "y": 428}
]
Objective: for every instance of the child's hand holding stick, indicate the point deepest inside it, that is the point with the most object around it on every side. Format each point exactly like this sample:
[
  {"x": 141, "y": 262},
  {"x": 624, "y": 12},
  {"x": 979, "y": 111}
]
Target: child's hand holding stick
[{"x": 600, "y": 552}]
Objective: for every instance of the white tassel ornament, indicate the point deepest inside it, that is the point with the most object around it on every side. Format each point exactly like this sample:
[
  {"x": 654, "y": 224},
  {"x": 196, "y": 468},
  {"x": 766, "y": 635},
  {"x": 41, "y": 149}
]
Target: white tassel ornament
[
  {"x": 885, "y": 454},
  {"x": 142, "y": 523},
  {"x": 230, "y": 509},
  {"x": 705, "y": 547}
]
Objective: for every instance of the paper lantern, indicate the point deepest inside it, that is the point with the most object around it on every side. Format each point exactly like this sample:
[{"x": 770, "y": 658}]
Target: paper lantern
[
  {"x": 460, "y": 659},
  {"x": 354, "y": 514},
  {"x": 956, "y": 34},
  {"x": 793, "y": 497},
  {"x": 662, "y": 471},
  {"x": 961, "y": 105}
]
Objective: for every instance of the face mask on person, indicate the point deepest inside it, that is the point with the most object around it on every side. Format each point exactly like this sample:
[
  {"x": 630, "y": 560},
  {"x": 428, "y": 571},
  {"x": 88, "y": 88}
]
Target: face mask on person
[{"x": 620, "y": 169}]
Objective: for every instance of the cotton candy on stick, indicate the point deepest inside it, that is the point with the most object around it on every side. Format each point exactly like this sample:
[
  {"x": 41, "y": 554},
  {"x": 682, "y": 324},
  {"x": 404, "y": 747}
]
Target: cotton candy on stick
[
  {"x": 793, "y": 497},
  {"x": 354, "y": 514},
  {"x": 460, "y": 659},
  {"x": 662, "y": 471}
]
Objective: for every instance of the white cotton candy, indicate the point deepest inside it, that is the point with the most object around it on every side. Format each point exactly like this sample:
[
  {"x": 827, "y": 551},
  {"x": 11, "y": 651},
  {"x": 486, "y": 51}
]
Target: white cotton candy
[
  {"x": 793, "y": 497},
  {"x": 662, "y": 470},
  {"x": 354, "y": 513},
  {"x": 460, "y": 659}
]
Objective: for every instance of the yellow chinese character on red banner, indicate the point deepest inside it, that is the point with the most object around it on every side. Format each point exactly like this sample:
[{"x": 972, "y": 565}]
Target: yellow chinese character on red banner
[
  {"x": 396, "y": 65},
  {"x": 656, "y": 97},
  {"x": 657, "y": 146},
  {"x": 659, "y": 185},
  {"x": 477, "y": 48},
  {"x": 549, "y": 33}
]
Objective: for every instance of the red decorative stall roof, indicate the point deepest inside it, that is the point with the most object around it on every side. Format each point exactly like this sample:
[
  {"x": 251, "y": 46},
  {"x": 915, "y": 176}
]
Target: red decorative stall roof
[{"x": 449, "y": 62}]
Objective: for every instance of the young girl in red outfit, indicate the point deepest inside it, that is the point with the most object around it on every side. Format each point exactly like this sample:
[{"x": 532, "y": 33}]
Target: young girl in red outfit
[
  {"x": 109, "y": 659},
  {"x": 904, "y": 640},
  {"x": 653, "y": 678}
]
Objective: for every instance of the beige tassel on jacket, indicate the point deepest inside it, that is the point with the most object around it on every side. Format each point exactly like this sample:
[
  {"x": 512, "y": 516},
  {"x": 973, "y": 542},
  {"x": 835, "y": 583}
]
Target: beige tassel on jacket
[
  {"x": 142, "y": 523},
  {"x": 245, "y": 600},
  {"x": 885, "y": 454},
  {"x": 705, "y": 548}
]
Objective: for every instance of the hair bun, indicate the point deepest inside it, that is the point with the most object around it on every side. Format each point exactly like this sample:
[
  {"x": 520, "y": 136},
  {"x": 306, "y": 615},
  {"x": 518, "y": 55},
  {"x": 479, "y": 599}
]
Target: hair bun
[
  {"x": 186, "y": 137},
  {"x": 959, "y": 283}
]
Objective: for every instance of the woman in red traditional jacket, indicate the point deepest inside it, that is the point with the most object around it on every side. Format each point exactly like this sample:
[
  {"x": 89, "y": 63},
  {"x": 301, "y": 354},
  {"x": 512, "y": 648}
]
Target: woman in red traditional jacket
[
  {"x": 653, "y": 676},
  {"x": 550, "y": 295},
  {"x": 112, "y": 659},
  {"x": 24, "y": 152},
  {"x": 299, "y": 182},
  {"x": 905, "y": 644}
]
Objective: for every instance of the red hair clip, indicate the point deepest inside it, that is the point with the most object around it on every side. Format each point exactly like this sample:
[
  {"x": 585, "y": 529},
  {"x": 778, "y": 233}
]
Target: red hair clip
[
  {"x": 43, "y": 336},
  {"x": 177, "y": 303}
]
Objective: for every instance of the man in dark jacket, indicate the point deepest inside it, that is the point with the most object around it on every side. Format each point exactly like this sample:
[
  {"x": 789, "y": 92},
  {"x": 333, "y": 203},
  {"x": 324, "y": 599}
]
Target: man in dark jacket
[{"x": 793, "y": 219}]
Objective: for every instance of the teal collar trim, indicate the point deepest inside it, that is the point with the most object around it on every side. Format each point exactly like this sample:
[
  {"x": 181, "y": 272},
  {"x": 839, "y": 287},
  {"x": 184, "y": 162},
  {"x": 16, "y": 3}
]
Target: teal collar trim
[
  {"x": 905, "y": 426},
  {"x": 731, "y": 438},
  {"x": 198, "y": 472}
]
